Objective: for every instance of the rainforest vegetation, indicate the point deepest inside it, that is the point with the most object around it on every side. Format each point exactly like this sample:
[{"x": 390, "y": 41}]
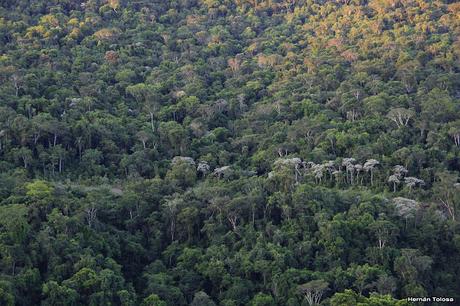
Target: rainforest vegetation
[{"x": 229, "y": 152}]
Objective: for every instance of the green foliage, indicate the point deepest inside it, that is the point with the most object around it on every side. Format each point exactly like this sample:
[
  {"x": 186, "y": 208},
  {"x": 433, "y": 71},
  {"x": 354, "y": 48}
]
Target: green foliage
[
  {"x": 225, "y": 152},
  {"x": 13, "y": 223},
  {"x": 59, "y": 295},
  {"x": 349, "y": 298},
  {"x": 201, "y": 298},
  {"x": 6, "y": 294},
  {"x": 261, "y": 299},
  {"x": 153, "y": 300},
  {"x": 39, "y": 189}
]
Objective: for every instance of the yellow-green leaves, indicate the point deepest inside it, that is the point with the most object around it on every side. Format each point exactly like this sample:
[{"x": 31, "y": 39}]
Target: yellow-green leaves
[{"x": 39, "y": 189}]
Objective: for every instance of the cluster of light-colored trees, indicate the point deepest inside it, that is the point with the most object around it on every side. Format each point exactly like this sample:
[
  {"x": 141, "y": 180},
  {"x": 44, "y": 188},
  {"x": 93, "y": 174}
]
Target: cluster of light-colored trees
[
  {"x": 342, "y": 171},
  {"x": 347, "y": 170},
  {"x": 399, "y": 176},
  {"x": 202, "y": 167}
]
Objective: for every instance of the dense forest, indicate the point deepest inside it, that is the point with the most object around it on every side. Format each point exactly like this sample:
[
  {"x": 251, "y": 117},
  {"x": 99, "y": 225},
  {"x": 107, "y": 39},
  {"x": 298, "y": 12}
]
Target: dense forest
[{"x": 219, "y": 152}]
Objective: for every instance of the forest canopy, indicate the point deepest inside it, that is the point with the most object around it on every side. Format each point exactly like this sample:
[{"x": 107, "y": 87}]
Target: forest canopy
[{"x": 218, "y": 152}]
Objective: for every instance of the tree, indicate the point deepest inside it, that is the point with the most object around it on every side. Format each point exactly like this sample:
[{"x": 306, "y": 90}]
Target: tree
[
  {"x": 24, "y": 154},
  {"x": 17, "y": 80},
  {"x": 147, "y": 95},
  {"x": 114, "y": 4},
  {"x": 39, "y": 189},
  {"x": 369, "y": 166},
  {"x": 261, "y": 299},
  {"x": 40, "y": 125},
  {"x": 365, "y": 277},
  {"x": 14, "y": 223},
  {"x": 175, "y": 135},
  {"x": 91, "y": 161},
  {"x": 411, "y": 265},
  {"x": 14, "y": 229},
  {"x": 406, "y": 208},
  {"x": 194, "y": 151},
  {"x": 445, "y": 191},
  {"x": 143, "y": 137},
  {"x": 398, "y": 173},
  {"x": 454, "y": 132},
  {"x": 171, "y": 208},
  {"x": 437, "y": 108},
  {"x": 411, "y": 182},
  {"x": 400, "y": 116},
  {"x": 153, "y": 300},
  {"x": 57, "y": 157},
  {"x": 289, "y": 164},
  {"x": 183, "y": 171},
  {"x": 203, "y": 168},
  {"x": 346, "y": 298},
  {"x": 223, "y": 172},
  {"x": 358, "y": 169},
  {"x": 56, "y": 294},
  {"x": 394, "y": 180},
  {"x": 313, "y": 291},
  {"x": 234, "y": 64},
  {"x": 384, "y": 231},
  {"x": 348, "y": 163},
  {"x": 386, "y": 284},
  {"x": 351, "y": 298},
  {"x": 202, "y": 299},
  {"x": 106, "y": 34},
  {"x": 188, "y": 218},
  {"x": 6, "y": 293}
]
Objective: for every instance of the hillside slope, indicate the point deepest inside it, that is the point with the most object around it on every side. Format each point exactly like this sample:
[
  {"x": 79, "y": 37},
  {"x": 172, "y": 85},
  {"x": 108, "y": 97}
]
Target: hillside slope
[{"x": 217, "y": 152}]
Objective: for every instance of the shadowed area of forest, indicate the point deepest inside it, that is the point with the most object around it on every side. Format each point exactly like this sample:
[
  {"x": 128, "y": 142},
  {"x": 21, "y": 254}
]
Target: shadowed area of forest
[{"x": 218, "y": 152}]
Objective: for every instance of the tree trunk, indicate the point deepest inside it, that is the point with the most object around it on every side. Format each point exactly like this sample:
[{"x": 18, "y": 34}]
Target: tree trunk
[
  {"x": 449, "y": 208},
  {"x": 36, "y": 137},
  {"x": 172, "y": 229},
  {"x": 151, "y": 122}
]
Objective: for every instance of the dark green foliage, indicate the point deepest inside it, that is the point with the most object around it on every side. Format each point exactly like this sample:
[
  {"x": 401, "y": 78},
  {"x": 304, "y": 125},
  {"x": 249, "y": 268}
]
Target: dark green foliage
[{"x": 217, "y": 152}]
